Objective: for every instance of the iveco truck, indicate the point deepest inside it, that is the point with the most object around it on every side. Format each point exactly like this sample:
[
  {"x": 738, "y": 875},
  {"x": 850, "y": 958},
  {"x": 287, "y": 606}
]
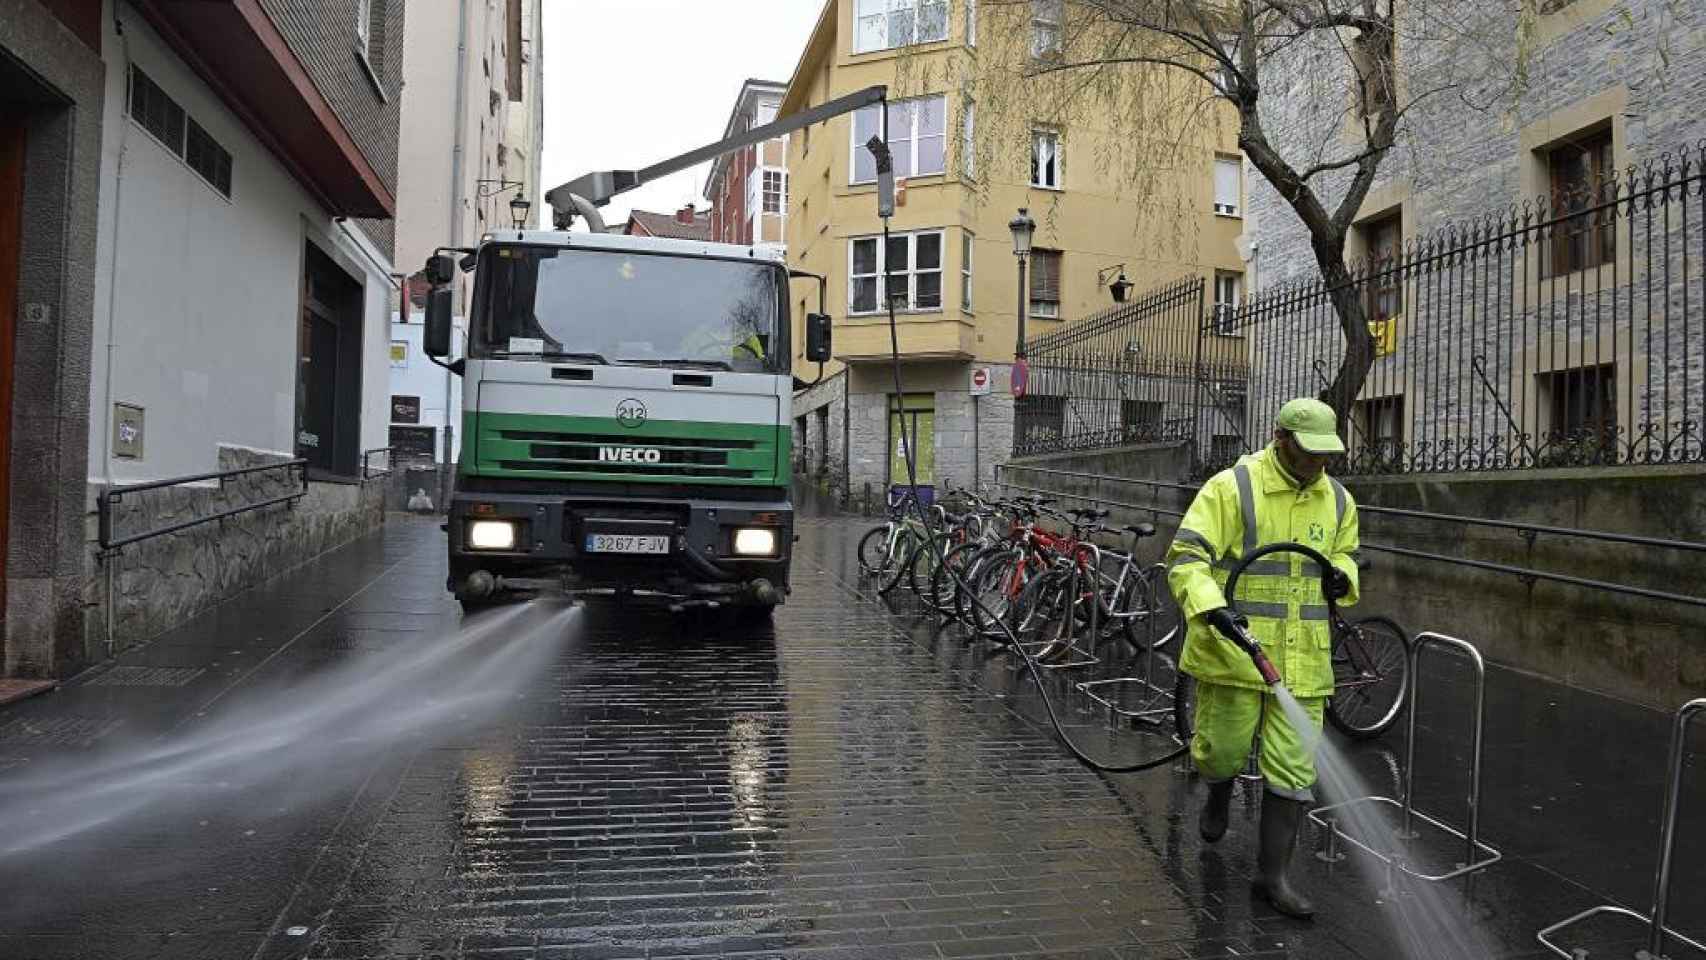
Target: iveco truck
[
  {"x": 627, "y": 401},
  {"x": 626, "y": 419}
]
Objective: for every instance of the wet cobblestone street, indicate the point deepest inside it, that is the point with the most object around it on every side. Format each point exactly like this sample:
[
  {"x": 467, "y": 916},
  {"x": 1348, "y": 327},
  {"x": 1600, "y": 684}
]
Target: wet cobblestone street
[{"x": 851, "y": 784}]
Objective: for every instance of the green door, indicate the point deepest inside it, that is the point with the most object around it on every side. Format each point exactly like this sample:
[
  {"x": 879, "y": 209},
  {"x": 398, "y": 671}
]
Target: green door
[{"x": 913, "y": 420}]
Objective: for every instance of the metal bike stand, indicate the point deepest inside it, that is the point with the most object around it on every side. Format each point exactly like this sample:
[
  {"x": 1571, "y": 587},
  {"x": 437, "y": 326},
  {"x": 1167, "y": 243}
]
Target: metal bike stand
[
  {"x": 1155, "y": 704},
  {"x": 1655, "y": 921},
  {"x": 1477, "y": 855}
]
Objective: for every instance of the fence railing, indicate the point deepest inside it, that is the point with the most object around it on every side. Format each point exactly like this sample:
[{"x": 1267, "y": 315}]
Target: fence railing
[
  {"x": 295, "y": 473},
  {"x": 1567, "y": 331}
]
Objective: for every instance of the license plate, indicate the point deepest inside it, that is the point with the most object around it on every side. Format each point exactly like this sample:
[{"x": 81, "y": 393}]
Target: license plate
[{"x": 625, "y": 543}]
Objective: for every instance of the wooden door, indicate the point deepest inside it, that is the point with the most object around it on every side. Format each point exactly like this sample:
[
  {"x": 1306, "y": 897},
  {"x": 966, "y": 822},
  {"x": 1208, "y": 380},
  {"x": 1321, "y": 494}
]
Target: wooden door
[{"x": 11, "y": 238}]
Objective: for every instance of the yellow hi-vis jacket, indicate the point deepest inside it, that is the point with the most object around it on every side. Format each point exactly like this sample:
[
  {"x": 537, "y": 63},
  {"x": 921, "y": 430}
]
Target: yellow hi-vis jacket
[{"x": 1253, "y": 504}]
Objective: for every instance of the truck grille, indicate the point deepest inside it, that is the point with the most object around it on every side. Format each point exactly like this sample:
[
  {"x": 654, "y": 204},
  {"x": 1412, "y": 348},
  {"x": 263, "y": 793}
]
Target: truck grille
[{"x": 584, "y": 453}]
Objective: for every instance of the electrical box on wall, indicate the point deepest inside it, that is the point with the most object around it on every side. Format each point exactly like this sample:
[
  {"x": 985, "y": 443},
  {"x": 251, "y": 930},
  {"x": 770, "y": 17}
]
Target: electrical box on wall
[{"x": 127, "y": 431}]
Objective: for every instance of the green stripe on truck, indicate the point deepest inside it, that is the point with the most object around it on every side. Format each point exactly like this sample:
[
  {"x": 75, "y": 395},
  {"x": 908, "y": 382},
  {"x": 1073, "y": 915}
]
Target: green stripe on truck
[{"x": 767, "y": 460}]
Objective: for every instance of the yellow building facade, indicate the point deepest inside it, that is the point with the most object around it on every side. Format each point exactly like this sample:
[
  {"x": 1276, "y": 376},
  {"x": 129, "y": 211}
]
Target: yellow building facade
[{"x": 969, "y": 155}]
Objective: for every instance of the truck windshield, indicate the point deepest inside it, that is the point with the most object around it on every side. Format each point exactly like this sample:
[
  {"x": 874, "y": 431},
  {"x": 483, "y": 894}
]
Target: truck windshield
[{"x": 618, "y": 307}]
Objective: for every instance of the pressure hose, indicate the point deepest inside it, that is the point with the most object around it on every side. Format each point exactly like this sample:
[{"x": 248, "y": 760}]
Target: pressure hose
[{"x": 1243, "y": 638}]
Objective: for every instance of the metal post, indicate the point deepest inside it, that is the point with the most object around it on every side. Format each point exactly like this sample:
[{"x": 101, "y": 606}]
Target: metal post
[
  {"x": 1667, "y": 825},
  {"x": 1024, "y": 304}
]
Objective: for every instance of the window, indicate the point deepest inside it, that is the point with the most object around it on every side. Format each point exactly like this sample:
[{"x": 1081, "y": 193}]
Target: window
[
  {"x": 971, "y": 23},
  {"x": 1385, "y": 242},
  {"x": 158, "y": 113},
  {"x": 917, "y": 138},
  {"x": 1226, "y": 298},
  {"x": 206, "y": 157},
  {"x": 1224, "y": 78},
  {"x": 966, "y": 241},
  {"x": 1228, "y": 174},
  {"x": 1141, "y": 419},
  {"x": 1380, "y": 429},
  {"x": 1045, "y": 159},
  {"x": 1045, "y": 283},
  {"x": 775, "y": 190},
  {"x": 363, "y": 25},
  {"x": 1046, "y": 17},
  {"x": 161, "y": 116},
  {"x": 1582, "y": 403},
  {"x": 884, "y": 24},
  {"x": 968, "y": 141},
  {"x": 765, "y": 114},
  {"x": 916, "y": 262},
  {"x": 1584, "y": 191},
  {"x": 1225, "y": 448}
]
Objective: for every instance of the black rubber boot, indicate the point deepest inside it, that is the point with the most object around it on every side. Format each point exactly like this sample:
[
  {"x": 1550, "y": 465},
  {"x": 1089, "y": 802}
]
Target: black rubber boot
[
  {"x": 1281, "y": 821},
  {"x": 1216, "y": 809}
]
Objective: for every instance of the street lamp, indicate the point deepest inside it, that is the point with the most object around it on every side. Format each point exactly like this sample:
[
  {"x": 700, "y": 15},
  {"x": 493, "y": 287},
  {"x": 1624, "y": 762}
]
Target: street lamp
[
  {"x": 1023, "y": 228},
  {"x": 518, "y": 207}
]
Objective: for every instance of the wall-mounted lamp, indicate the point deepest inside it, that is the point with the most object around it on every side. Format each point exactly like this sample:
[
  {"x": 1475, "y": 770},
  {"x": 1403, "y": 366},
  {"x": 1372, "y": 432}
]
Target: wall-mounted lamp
[{"x": 1121, "y": 287}]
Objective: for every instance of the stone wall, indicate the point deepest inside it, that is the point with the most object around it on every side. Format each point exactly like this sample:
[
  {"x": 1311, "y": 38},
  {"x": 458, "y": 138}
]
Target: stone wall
[
  {"x": 161, "y": 582},
  {"x": 1647, "y": 651}
]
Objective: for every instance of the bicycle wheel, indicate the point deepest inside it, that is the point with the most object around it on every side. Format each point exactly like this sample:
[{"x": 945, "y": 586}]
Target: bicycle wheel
[
  {"x": 1168, "y": 624},
  {"x": 900, "y": 562},
  {"x": 997, "y": 589},
  {"x": 1128, "y": 607},
  {"x": 927, "y": 559},
  {"x": 945, "y": 579},
  {"x": 967, "y": 587},
  {"x": 1371, "y": 674},
  {"x": 1043, "y": 617},
  {"x": 873, "y": 550}
]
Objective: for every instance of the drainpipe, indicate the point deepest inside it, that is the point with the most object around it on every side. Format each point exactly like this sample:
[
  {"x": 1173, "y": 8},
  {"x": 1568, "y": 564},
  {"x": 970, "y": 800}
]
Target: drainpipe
[
  {"x": 456, "y": 225},
  {"x": 111, "y": 563}
]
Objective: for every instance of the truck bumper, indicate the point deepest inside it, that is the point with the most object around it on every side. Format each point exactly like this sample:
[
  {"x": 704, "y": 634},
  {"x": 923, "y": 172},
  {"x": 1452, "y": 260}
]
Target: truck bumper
[{"x": 552, "y": 533}]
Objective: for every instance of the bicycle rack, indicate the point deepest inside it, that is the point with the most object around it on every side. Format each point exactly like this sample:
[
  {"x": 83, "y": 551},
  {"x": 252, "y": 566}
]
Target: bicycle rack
[
  {"x": 1655, "y": 921},
  {"x": 1156, "y": 703},
  {"x": 1475, "y": 849}
]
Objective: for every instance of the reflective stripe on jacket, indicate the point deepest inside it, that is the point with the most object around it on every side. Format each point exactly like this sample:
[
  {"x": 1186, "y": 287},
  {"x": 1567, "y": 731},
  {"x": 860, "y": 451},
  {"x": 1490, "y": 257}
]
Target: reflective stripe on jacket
[{"x": 1252, "y": 504}]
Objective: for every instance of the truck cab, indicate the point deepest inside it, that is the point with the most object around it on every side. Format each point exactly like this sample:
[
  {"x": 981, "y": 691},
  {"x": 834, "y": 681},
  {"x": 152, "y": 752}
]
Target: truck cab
[{"x": 625, "y": 421}]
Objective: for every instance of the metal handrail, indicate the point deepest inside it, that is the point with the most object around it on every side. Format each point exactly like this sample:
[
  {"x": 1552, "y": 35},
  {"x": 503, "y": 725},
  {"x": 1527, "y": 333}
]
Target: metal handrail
[
  {"x": 367, "y": 471},
  {"x": 1657, "y": 932},
  {"x": 1517, "y": 525},
  {"x": 104, "y": 503},
  {"x": 1523, "y": 573}
]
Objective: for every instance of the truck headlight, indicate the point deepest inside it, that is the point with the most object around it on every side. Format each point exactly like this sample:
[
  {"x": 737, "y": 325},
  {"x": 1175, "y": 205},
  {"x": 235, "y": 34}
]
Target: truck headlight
[
  {"x": 491, "y": 535},
  {"x": 755, "y": 542}
]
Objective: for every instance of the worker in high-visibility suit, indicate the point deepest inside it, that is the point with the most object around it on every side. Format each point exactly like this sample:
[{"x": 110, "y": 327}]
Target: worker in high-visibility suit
[{"x": 1280, "y": 494}]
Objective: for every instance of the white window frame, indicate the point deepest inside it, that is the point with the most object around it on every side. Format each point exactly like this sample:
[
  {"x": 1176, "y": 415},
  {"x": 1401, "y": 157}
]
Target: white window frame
[
  {"x": 1226, "y": 310},
  {"x": 781, "y": 191},
  {"x": 1052, "y": 311},
  {"x": 968, "y": 241},
  {"x": 968, "y": 138},
  {"x": 1221, "y": 206},
  {"x": 1041, "y": 22},
  {"x": 1038, "y": 135},
  {"x": 971, "y": 23},
  {"x": 911, "y": 137},
  {"x": 910, "y": 271},
  {"x": 889, "y": 9}
]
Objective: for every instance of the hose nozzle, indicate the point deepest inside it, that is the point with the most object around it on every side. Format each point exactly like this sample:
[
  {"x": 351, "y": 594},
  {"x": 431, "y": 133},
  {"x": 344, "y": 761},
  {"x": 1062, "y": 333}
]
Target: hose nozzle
[{"x": 1264, "y": 666}]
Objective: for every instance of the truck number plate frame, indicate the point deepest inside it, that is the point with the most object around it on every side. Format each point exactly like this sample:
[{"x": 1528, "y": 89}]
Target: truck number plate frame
[{"x": 626, "y": 543}]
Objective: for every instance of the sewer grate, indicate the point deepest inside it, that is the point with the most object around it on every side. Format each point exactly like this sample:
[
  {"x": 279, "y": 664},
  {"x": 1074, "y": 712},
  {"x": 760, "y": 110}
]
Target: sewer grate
[
  {"x": 70, "y": 731},
  {"x": 147, "y": 677}
]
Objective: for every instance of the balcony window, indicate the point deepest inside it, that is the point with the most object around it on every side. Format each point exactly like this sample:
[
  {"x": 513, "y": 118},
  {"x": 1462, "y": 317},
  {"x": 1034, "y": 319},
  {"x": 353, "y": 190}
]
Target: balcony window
[
  {"x": 917, "y": 138},
  {"x": 886, "y": 24},
  {"x": 916, "y": 262}
]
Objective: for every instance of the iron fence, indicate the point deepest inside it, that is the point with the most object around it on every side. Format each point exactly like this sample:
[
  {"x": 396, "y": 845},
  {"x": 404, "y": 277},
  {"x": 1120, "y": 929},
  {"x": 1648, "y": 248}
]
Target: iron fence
[
  {"x": 1136, "y": 373},
  {"x": 1566, "y": 331}
]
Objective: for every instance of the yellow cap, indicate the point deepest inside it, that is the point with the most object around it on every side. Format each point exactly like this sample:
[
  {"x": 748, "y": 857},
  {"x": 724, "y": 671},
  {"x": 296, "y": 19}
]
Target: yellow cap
[{"x": 1313, "y": 424}]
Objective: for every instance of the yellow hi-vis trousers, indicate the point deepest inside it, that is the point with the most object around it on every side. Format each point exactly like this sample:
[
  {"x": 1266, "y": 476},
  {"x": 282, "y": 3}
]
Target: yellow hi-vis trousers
[{"x": 1226, "y": 721}]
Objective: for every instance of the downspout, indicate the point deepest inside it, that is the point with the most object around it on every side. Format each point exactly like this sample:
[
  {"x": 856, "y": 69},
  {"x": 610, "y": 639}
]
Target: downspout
[
  {"x": 111, "y": 563},
  {"x": 456, "y": 225}
]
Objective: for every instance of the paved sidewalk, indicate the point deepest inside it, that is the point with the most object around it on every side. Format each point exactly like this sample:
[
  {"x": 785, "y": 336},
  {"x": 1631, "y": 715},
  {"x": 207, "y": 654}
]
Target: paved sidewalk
[{"x": 853, "y": 784}]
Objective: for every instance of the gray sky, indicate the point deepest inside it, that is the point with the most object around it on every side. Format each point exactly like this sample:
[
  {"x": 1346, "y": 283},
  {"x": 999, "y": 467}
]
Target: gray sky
[{"x": 631, "y": 82}]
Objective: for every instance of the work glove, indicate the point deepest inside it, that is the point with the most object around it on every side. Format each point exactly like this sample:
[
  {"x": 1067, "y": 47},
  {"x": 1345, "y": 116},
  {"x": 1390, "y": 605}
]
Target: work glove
[
  {"x": 1336, "y": 585},
  {"x": 1228, "y": 623}
]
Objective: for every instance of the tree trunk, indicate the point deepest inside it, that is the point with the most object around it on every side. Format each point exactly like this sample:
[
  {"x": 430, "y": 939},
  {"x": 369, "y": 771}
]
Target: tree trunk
[{"x": 1341, "y": 394}]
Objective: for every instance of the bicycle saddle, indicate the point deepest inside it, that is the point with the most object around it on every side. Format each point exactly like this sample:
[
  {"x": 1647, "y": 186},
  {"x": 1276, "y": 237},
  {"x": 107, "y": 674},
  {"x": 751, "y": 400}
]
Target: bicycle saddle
[{"x": 1144, "y": 529}]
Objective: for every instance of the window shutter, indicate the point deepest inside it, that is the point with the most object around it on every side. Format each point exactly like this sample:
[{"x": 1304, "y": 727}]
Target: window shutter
[
  {"x": 1045, "y": 275},
  {"x": 1226, "y": 185}
]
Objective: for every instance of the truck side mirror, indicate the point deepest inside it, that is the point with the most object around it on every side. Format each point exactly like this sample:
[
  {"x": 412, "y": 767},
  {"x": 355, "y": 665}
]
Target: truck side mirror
[
  {"x": 817, "y": 337},
  {"x": 437, "y": 339},
  {"x": 440, "y": 268}
]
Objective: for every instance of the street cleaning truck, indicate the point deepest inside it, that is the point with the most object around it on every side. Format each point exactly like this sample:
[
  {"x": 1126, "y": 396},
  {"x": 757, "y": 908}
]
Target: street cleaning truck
[{"x": 627, "y": 402}]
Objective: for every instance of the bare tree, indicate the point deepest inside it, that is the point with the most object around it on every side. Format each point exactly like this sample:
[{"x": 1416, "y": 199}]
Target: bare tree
[{"x": 1366, "y": 73}]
